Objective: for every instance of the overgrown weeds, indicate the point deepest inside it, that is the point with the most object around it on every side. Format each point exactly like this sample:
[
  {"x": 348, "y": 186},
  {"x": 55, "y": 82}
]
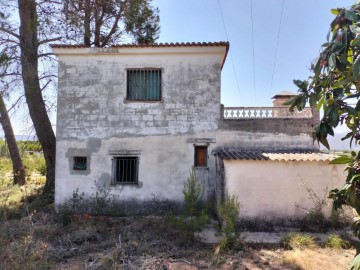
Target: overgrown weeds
[
  {"x": 335, "y": 241},
  {"x": 229, "y": 213},
  {"x": 297, "y": 241},
  {"x": 193, "y": 191}
]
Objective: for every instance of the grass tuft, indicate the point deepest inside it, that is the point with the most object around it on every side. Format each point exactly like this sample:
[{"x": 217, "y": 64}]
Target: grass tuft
[
  {"x": 297, "y": 241},
  {"x": 336, "y": 242}
]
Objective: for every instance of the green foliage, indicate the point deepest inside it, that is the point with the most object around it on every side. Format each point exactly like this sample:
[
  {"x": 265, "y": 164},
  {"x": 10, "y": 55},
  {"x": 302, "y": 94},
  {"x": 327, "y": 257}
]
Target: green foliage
[
  {"x": 334, "y": 88},
  {"x": 34, "y": 163},
  {"x": 193, "y": 191},
  {"x": 297, "y": 241},
  {"x": 5, "y": 166},
  {"x": 24, "y": 146},
  {"x": 104, "y": 23},
  {"x": 336, "y": 242},
  {"x": 142, "y": 22},
  {"x": 34, "y": 146},
  {"x": 229, "y": 213},
  {"x": 41, "y": 166},
  {"x": 356, "y": 263},
  {"x": 190, "y": 224}
]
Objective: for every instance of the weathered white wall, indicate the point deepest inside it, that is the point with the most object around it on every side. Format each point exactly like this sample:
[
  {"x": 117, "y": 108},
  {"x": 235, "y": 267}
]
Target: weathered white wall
[
  {"x": 273, "y": 189},
  {"x": 93, "y": 119},
  {"x": 92, "y": 92},
  {"x": 164, "y": 165}
]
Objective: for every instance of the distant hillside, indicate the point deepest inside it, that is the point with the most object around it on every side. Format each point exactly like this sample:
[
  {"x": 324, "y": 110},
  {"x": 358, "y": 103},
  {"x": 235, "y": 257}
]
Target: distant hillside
[
  {"x": 337, "y": 144},
  {"x": 21, "y": 137}
]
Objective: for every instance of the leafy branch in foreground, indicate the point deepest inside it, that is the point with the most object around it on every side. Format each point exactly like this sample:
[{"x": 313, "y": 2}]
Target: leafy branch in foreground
[{"x": 334, "y": 89}]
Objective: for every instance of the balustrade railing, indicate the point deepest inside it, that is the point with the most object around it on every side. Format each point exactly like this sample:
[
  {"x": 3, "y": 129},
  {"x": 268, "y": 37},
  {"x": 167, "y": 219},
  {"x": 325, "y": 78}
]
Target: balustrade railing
[{"x": 265, "y": 112}]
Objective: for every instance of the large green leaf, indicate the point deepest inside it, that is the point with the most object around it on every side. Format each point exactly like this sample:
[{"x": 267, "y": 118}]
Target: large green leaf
[
  {"x": 356, "y": 41},
  {"x": 356, "y": 263},
  {"x": 347, "y": 136},
  {"x": 312, "y": 99},
  {"x": 320, "y": 103},
  {"x": 335, "y": 11},
  {"x": 334, "y": 116},
  {"x": 356, "y": 68},
  {"x": 301, "y": 84},
  {"x": 351, "y": 15},
  {"x": 351, "y": 110},
  {"x": 289, "y": 101},
  {"x": 332, "y": 61},
  {"x": 341, "y": 160}
]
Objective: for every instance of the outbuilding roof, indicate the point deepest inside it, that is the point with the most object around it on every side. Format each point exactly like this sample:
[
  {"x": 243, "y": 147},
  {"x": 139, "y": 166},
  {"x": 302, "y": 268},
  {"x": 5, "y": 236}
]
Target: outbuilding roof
[{"x": 271, "y": 154}]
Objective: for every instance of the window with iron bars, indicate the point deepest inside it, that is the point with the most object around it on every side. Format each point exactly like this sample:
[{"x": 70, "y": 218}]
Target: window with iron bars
[
  {"x": 144, "y": 84},
  {"x": 80, "y": 163},
  {"x": 125, "y": 170}
]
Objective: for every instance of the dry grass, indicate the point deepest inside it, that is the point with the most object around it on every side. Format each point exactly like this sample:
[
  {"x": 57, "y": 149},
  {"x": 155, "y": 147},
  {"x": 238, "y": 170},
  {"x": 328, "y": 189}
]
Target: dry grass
[
  {"x": 314, "y": 259},
  {"x": 33, "y": 236}
]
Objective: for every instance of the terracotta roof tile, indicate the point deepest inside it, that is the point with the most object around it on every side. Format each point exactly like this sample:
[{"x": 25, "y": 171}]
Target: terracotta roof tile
[
  {"x": 176, "y": 44},
  {"x": 272, "y": 154}
]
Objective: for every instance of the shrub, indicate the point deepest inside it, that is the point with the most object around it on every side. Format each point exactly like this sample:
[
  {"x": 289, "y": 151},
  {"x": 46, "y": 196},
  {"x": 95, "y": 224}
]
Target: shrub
[
  {"x": 336, "y": 242},
  {"x": 41, "y": 166},
  {"x": 193, "y": 191},
  {"x": 229, "y": 213},
  {"x": 297, "y": 241}
]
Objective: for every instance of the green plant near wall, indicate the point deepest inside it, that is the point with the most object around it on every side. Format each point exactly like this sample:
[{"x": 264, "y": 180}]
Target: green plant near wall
[
  {"x": 193, "y": 191},
  {"x": 229, "y": 213}
]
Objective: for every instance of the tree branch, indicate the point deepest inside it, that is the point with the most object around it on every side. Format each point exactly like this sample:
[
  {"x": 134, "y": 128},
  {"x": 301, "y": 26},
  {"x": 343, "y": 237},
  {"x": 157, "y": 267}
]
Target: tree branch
[
  {"x": 9, "y": 32},
  {"x": 48, "y": 40},
  {"x": 16, "y": 102},
  {"x": 46, "y": 54},
  {"x": 112, "y": 31}
]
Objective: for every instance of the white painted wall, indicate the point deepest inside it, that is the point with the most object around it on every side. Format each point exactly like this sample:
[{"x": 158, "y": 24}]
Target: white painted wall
[
  {"x": 273, "y": 189},
  {"x": 164, "y": 166}
]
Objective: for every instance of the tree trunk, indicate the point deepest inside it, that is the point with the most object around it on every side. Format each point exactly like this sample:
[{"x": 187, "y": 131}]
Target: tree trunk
[
  {"x": 87, "y": 21},
  {"x": 34, "y": 99},
  {"x": 18, "y": 168}
]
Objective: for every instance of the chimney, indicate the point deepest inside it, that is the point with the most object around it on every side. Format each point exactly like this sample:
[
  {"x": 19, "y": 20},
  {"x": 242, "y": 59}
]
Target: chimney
[{"x": 282, "y": 97}]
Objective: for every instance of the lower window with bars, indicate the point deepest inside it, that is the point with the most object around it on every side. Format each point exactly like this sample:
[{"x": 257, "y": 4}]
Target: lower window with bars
[{"x": 125, "y": 170}]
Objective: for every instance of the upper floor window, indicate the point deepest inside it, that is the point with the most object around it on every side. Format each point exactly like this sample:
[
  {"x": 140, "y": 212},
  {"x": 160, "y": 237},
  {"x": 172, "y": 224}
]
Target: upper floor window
[{"x": 144, "y": 84}]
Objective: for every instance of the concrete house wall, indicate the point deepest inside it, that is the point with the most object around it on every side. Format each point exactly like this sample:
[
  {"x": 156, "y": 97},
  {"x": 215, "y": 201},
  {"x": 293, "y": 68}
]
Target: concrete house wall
[
  {"x": 95, "y": 120},
  {"x": 278, "y": 189}
]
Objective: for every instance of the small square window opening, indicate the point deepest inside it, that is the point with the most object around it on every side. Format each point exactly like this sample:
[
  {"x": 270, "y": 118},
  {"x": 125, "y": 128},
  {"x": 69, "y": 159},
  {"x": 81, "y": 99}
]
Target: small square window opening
[
  {"x": 200, "y": 156},
  {"x": 144, "y": 84},
  {"x": 80, "y": 163},
  {"x": 125, "y": 170}
]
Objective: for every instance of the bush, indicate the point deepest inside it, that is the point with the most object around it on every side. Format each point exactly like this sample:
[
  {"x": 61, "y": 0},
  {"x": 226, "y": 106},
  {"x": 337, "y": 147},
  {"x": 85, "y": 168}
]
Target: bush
[
  {"x": 336, "y": 242},
  {"x": 41, "y": 166},
  {"x": 229, "y": 213},
  {"x": 193, "y": 191},
  {"x": 297, "y": 241}
]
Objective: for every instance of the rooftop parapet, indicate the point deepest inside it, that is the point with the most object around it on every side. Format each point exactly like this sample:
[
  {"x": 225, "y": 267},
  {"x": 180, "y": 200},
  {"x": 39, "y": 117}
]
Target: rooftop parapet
[{"x": 265, "y": 112}]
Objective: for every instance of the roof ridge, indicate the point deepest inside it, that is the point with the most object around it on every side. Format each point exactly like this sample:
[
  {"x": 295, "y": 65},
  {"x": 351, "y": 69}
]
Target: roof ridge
[{"x": 160, "y": 44}]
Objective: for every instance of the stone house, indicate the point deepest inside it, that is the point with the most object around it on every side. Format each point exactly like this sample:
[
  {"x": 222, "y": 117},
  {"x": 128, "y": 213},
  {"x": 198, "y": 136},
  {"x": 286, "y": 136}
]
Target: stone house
[{"x": 137, "y": 118}]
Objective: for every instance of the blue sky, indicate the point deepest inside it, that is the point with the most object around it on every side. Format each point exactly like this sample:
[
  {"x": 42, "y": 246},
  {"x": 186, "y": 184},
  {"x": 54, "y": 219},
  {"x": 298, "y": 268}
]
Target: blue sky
[{"x": 304, "y": 27}]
